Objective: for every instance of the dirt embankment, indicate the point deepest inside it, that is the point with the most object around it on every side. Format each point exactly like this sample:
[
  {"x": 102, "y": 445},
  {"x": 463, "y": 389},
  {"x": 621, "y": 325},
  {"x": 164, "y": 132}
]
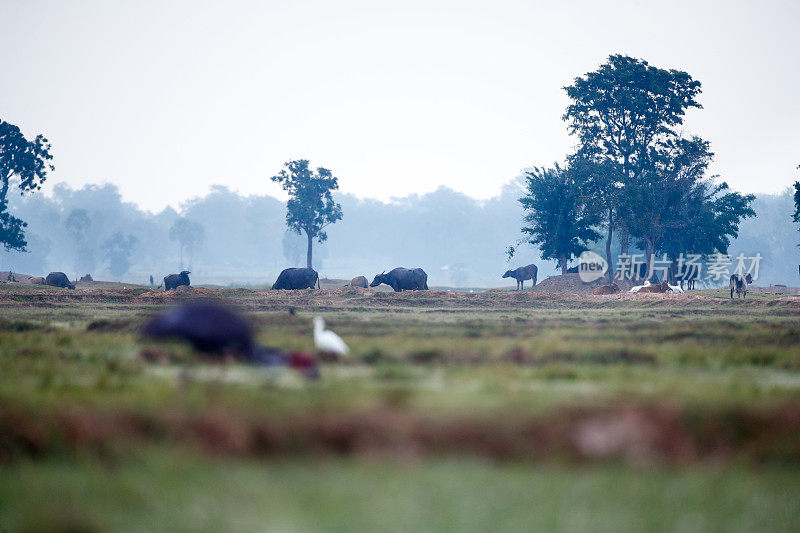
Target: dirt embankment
[{"x": 642, "y": 434}]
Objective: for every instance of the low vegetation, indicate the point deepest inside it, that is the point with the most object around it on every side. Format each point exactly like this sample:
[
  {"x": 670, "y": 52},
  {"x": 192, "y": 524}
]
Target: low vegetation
[{"x": 589, "y": 396}]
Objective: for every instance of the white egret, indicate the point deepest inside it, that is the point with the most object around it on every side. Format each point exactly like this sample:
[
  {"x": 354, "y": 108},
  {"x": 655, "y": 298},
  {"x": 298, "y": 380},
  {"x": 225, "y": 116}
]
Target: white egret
[{"x": 327, "y": 341}]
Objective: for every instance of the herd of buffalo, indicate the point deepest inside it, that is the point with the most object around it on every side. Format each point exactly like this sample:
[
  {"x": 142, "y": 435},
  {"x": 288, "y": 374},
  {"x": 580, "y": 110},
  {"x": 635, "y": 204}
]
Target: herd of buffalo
[{"x": 399, "y": 279}]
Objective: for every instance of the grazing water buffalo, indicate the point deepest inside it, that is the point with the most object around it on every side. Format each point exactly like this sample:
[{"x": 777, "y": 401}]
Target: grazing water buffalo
[
  {"x": 739, "y": 284},
  {"x": 359, "y": 281},
  {"x": 58, "y": 279},
  {"x": 87, "y": 278},
  {"x": 173, "y": 281},
  {"x": 37, "y": 281},
  {"x": 297, "y": 278},
  {"x": 403, "y": 279},
  {"x": 521, "y": 274}
]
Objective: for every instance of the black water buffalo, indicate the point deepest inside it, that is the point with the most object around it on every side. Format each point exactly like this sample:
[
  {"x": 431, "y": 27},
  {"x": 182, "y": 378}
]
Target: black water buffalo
[
  {"x": 173, "y": 281},
  {"x": 521, "y": 274},
  {"x": 403, "y": 279},
  {"x": 739, "y": 284},
  {"x": 58, "y": 279},
  {"x": 222, "y": 332},
  {"x": 297, "y": 278}
]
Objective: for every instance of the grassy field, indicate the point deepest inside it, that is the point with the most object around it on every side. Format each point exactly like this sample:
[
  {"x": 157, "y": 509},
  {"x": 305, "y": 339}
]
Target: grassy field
[{"x": 478, "y": 411}]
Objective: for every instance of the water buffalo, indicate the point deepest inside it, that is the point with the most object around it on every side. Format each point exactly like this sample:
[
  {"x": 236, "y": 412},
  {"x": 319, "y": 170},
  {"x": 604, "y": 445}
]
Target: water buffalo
[
  {"x": 37, "y": 281},
  {"x": 521, "y": 274},
  {"x": 297, "y": 278},
  {"x": 87, "y": 278},
  {"x": 403, "y": 279},
  {"x": 607, "y": 289},
  {"x": 662, "y": 287},
  {"x": 739, "y": 284},
  {"x": 359, "y": 281},
  {"x": 58, "y": 279},
  {"x": 222, "y": 332},
  {"x": 173, "y": 281}
]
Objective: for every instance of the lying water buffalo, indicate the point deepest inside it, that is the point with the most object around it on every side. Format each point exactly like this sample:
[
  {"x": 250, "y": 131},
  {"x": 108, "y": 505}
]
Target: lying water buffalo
[
  {"x": 403, "y": 279},
  {"x": 38, "y": 281},
  {"x": 173, "y": 281},
  {"x": 359, "y": 281},
  {"x": 58, "y": 279},
  {"x": 607, "y": 289},
  {"x": 521, "y": 274},
  {"x": 297, "y": 278}
]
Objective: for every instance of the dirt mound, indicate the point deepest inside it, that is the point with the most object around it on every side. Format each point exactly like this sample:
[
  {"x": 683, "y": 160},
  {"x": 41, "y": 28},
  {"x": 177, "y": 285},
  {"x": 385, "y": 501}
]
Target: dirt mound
[
  {"x": 181, "y": 293},
  {"x": 572, "y": 283},
  {"x": 22, "y": 278}
]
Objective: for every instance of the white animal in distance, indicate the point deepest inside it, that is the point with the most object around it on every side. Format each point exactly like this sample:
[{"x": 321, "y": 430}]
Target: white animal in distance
[
  {"x": 327, "y": 341},
  {"x": 636, "y": 288}
]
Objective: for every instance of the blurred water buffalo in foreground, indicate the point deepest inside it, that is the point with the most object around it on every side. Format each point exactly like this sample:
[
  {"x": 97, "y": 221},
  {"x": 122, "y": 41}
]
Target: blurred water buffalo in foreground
[
  {"x": 521, "y": 274},
  {"x": 173, "y": 281},
  {"x": 403, "y": 279},
  {"x": 297, "y": 278},
  {"x": 359, "y": 281},
  {"x": 58, "y": 279},
  {"x": 223, "y": 333}
]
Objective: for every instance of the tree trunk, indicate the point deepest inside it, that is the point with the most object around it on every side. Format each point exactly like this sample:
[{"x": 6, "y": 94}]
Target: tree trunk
[
  {"x": 649, "y": 256},
  {"x": 624, "y": 240},
  {"x": 308, "y": 252},
  {"x": 563, "y": 262},
  {"x": 609, "y": 236}
]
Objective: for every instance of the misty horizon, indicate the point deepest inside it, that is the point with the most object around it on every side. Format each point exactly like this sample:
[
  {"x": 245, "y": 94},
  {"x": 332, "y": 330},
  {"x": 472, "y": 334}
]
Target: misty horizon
[{"x": 165, "y": 100}]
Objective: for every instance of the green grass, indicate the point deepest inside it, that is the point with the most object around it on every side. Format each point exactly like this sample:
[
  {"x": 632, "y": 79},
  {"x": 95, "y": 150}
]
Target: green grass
[
  {"x": 496, "y": 354},
  {"x": 170, "y": 492}
]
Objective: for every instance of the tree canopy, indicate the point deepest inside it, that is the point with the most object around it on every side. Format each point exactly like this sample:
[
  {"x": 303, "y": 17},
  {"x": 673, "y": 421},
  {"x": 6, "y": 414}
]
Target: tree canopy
[
  {"x": 626, "y": 116},
  {"x": 311, "y": 207},
  {"x": 26, "y": 163},
  {"x": 558, "y": 218}
]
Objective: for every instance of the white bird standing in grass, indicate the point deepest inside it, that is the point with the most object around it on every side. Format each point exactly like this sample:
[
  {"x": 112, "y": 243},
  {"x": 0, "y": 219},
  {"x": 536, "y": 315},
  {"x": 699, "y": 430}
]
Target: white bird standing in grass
[{"x": 327, "y": 341}]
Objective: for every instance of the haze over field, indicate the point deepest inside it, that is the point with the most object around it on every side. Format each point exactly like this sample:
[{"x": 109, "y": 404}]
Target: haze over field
[
  {"x": 426, "y": 114},
  {"x": 166, "y": 100}
]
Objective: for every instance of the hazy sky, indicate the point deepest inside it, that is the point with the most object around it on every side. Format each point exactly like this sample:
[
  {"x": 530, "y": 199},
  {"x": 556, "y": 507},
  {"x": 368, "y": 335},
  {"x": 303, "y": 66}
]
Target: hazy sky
[{"x": 165, "y": 99}]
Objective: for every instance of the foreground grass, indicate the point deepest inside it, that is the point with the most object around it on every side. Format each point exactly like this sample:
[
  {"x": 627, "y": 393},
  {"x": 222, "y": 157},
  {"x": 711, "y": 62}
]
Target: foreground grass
[
  {"x": 166, "y": 491},
  {"x": 71, "y": 363}
]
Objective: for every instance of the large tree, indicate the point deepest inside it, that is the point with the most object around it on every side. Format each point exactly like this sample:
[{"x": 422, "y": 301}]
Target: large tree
[
  {"x": 189, "y": 234},
  {"x": 311, "y": 207},
  {"x": 558, "y": 218},
  {"x": 626, "y": 115},
  {"x": 24, "y": 163},
  {"x": 677, "y": 209}
]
